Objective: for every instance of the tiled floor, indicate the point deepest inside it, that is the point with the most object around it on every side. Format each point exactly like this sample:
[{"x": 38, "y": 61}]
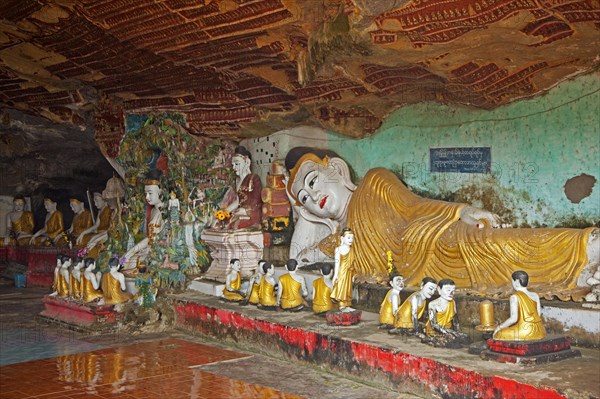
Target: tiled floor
[{"x": 156, "y": 369}]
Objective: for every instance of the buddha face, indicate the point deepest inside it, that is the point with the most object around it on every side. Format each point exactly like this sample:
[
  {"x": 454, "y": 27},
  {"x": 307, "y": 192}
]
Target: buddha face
[
  {"x": 49, "y": 205},
  {"x": 428, "y": 290},
  {"x": 320, "y": 190},
  {"x": 18, "y": 205},
  {"x": 76, "y": 206},
  {"x": 99, "y": 201},
  {"x": 447, "y": 292},
  {"x": 241, "y": 165},
  {"x": 152, "y": 194}
]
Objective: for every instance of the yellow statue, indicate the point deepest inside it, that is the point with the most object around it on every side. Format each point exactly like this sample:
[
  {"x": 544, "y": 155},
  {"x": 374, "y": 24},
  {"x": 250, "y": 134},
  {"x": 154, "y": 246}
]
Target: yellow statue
[
  {"x": 53, "y": 232},
  {"x": 443, "y": 327},
  {"x": 410, "y": 312},
  {"x": 82, "y": 219},
  {"x": 524, "y": 322},
  {"x": 102, "y": 223},
  {"x": 233, "y": 283},
  {"x": 90, "y": 282},
  {"x": 390, "y": 305},
  {"x": 344, "y": 272},
  {"x": 433, "y": 238},
  {"x": 322, "y": 290},
  {"x": 113, "y": 285},
  {"x": 292, "y": 288},
  {"x": 254, "y": 283},
  {"x": 266, "y": 290},
  {"x": 19, "y": 223},
  {"x": 62, "y": 276},
  {"x": 75, "y": 279}
]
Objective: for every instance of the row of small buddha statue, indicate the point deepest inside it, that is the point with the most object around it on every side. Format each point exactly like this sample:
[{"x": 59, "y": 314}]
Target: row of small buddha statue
[
  {"x": 75, "y": 279},
  {"x": 83, "y": 231}
]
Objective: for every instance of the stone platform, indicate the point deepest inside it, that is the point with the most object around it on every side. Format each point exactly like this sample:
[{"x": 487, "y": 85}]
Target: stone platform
[
  {"x": 549, "y": 349},
  {"x": 399, "y": 362},
  {"x": 77, "y": 316}
]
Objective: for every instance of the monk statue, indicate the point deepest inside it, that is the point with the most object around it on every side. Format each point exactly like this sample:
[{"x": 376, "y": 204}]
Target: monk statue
[
  {"x": 19, "y": 223},
  {"x": 343, "y": 273},
  {"x": 245, "y": 204},
  {"x": 254, "y": 284},
  {"x": 322, "y": 287},
  {"x": 407, "y": 317},
  {"x": 75, "y": 279},
  {"x": 155, "y": 223},
  {"x": 107, "y": 218},
  {"x": 433, "y": 238},
  {"x": 90, "y": 282},
  {"x": 81, "y": 221},
  {"x": 101, "y": 224},
  {"x": 391, "y": 303},
  {"x": 113, "y": 284},
  {"x": 60, "y": 284},
  {"x": 443, "y": 328},
  {"x": 267, "y": 300},
  {"x": 292, "y": 288},
  {"x": 524, "y": 322},
  {"x": 233, "y": 283},
  {"x": 53, "y": 232}
]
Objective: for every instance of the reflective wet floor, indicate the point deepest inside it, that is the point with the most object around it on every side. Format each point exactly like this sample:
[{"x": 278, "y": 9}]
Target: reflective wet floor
[{"x": 52, "y": 362}]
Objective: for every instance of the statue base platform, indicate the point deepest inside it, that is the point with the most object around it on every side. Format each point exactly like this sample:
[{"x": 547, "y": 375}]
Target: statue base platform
[
  {"x": 549, "y": 349},
  {"x": 79, "y": 316},
  {"x": 245, "y": 245},
  {"x": 339, "y": 318},
  {"x": 40, "y": 262}
]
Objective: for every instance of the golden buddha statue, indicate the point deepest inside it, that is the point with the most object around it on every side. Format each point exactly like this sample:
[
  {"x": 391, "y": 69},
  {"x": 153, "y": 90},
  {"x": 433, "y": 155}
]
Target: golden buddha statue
[
  {"x": 82, "y": 219},
  {"x": 19, "y": 223},
  {"x": 233, "y": 283},
  {"x": 53, "y": 232}
]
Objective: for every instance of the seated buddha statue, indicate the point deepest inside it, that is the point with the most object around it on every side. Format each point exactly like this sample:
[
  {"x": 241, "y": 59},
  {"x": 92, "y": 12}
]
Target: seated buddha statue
[
  {"x": 101, "y": 224},
  {"x": 113, "y": 285},
  {"x": 90, "y": 282},
  {"x": 19, "y": 223},
  {"x": 53, "y": 232},
  {"x": 82, "y": 220}
]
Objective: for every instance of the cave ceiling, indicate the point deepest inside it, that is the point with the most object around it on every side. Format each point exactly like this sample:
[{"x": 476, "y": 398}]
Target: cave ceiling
[{"x": 239, "y": 69}]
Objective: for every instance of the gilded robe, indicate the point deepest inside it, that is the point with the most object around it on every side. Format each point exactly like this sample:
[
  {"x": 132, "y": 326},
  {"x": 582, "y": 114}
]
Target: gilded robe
[
  {"x": 81, "y": 222},
  {"x": 404, "y": 313},
  {"x": 386, "y": 313},
  {"x": 322, "y": 298},
  {"x": 427, "y": 238},
  {"x": 23, "y": 225},
  {"x": 235, "y": 285},
  {"x": 290, "y": 292},
  {"x": 529, "y": 323}
]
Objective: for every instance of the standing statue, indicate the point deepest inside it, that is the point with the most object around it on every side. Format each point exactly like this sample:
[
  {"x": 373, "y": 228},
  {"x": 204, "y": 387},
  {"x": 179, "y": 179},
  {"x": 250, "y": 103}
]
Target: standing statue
[
  {"x": 174, "y": 211},
  {"x": 411, "y": 311},
  {"x": 113, "y": 284},
  {"x": 245, "y": 204},
  {"x": 81, "y": 221},
  {"x": 443, "y": 327},
  {"x": 267, "y": 300},
  {"x": 424, "y": 233},
  {"x": 524, "y": 322},
  {"x": 322, "y": 290},
  {"x": 343, "y": 273},
  {"x": 140, "y": 251},
  {"x": 19, "y": 223},
  {"x": 292, "y": 288},
  {"x": 391, "y": 303},
  {"x": 102, "y": 224},
  {"x": 233, "y": 283},
  {"x": 90, "y": 284},
  {"x": 53, "y": 232}
]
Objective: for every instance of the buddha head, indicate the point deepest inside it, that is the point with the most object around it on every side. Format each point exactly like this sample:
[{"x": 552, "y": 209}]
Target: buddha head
[
  {"x": 49, "y": 204},
  {"x": 152, "y": 188},
  {"x": 446, "y": 288},
  {"x": 428, "y": 287},
  {"x": 99, "y": 200},
  {"x": 319, "y": 182},
  {"x": 19, "y": 203},
  {"x": 241, "y": 161},
  {"x": 77, "y": 205}
]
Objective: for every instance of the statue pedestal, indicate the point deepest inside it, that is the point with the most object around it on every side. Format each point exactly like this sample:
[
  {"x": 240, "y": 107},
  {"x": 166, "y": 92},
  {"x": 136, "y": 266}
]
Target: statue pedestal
[
  {"x": 338, "y": 318},
  {"x": 549, "y": 349},
  {"x": 245, "y": 245},
  {"x": 78, "y": 315}
]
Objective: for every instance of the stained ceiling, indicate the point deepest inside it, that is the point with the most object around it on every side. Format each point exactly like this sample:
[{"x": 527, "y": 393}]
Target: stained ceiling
[{"x": 242, "y": 68}]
